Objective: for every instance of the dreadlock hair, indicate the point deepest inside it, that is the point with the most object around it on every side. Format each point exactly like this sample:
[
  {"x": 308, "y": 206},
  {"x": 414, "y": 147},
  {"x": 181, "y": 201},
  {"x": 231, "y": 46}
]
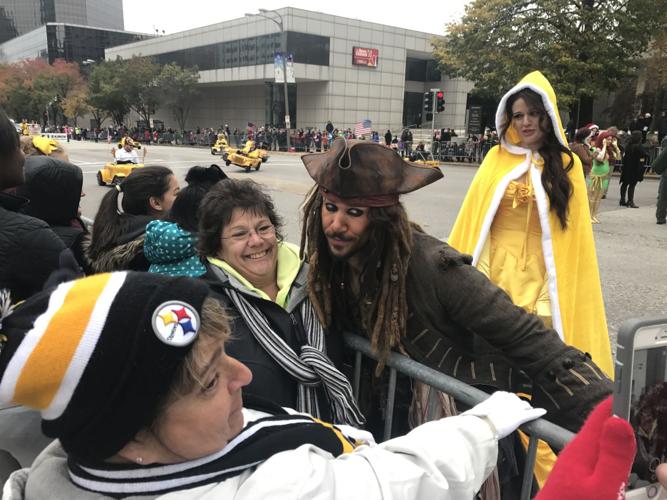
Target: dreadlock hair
[
  {"x": 389, "y": 244},
  {"x": 554, "y": 175}
]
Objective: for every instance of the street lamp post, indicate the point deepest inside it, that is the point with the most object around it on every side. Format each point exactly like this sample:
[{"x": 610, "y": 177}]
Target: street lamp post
[{"x": 264, "y": 13}]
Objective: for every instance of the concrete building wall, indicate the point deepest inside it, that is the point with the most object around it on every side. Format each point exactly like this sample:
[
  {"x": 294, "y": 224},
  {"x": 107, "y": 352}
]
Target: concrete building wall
[{"x": 341, "y": 92}]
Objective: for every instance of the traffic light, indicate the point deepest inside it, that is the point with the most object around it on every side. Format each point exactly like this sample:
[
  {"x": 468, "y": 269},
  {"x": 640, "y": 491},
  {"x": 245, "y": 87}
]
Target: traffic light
[
  {"x": 440, "y": 101},
  {"x": 428, "y": 102}
]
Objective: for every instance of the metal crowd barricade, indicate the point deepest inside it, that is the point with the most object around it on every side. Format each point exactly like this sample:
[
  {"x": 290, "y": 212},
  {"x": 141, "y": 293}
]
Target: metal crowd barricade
[
  {"x": 556, "y": 436},
  {"x": 452, "y": 151}
]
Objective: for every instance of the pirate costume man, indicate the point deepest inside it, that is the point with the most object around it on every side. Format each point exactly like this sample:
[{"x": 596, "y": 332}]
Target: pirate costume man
[{"x": 418, "y": 295}]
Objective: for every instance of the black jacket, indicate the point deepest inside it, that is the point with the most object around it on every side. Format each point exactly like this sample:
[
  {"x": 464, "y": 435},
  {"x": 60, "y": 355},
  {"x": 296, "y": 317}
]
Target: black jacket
[
  {"x": 29, "y": 250},
  {"x": 269, "y": 380},
  {"x": 54, "y": 189}
]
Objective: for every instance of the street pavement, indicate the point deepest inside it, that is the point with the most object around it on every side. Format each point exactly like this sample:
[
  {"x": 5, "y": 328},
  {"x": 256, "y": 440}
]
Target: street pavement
[{"x": 631, "y": 247}]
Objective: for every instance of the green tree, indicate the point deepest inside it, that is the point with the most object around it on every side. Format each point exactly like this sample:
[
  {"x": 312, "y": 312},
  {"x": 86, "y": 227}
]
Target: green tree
[
  {"x": 106, "y": 93},
  {"x": 582, "y": 46},
  {"x": 178, "y": 87},
  {"x": 141, "y": 86}
]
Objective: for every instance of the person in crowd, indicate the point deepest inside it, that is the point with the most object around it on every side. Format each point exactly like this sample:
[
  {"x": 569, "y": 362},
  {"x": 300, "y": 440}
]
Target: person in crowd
[
  {"x": 171, "y": 243},
  {"x": 29, "y": 250},
  {"x": 583, "y": 149},
  {"x": 375, "y": 273},
  {"x": 607, "y": 152},
  {"x": 387, "y": 138},
  {"x": 634, "y": 164},
  {"x": 260, "y": 277},
  {"x": 37, "y": 145},
  {"x": 53, "y": 188},
  {"x": 662, "y": 127},
  {"x": 659, "y": 166},
  {"x": 616, "y": 143},
  {"x": 525, "y": 221},
  {"x": 117, "y": 240},
  {"x": 189, "y": 429}
]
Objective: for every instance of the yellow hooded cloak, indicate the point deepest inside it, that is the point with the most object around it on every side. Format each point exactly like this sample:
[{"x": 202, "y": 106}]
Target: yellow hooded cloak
[
  {"x": 573, "y": 281},
  {"x": 572, "y": 278}
]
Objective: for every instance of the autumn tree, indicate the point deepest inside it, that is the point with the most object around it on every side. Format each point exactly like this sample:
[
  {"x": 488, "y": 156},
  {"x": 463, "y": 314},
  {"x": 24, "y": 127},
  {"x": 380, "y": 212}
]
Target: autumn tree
[
  {"x": 178, "y": 87},
  {"x": 582, "y": 46},
  {"x": 61, "y": 85}
]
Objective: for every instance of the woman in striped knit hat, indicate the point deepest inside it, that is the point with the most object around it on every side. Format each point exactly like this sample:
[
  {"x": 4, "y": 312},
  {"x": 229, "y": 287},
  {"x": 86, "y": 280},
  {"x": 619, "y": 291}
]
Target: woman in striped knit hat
[{"x": 130, "y": 374}]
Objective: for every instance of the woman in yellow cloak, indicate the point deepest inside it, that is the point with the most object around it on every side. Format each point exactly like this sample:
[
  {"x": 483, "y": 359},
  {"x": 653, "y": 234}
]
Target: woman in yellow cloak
[{"x": 526, "y": 222}]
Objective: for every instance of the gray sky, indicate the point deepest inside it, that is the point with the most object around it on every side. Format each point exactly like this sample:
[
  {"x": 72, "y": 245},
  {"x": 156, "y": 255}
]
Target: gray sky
[{"x": 172, "y": 15}]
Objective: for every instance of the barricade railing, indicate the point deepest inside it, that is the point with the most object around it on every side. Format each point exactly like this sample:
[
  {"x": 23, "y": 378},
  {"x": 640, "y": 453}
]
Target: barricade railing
[{"x": 555, "y": 436}]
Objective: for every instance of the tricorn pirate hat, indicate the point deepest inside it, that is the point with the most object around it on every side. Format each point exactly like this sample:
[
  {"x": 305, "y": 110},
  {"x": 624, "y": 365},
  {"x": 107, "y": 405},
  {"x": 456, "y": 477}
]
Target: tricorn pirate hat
[{"x": 367, "y": 172}]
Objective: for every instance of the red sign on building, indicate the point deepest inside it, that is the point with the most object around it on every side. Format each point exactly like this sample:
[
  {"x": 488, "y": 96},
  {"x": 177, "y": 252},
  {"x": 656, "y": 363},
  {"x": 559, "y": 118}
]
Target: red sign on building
[{"x": 365, "y": 57}]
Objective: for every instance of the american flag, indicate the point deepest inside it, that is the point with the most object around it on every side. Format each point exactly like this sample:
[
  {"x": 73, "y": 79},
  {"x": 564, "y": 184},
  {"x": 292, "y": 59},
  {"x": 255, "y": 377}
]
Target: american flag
[{"x": 362, "y": 128}]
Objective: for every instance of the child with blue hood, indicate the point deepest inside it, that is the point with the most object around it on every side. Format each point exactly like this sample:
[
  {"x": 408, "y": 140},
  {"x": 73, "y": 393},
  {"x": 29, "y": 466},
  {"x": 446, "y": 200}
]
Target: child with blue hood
[{"x": 171, "y": 243}]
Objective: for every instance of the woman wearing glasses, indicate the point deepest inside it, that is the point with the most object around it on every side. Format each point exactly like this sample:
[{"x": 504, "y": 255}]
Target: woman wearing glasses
[
  {"x": 263, "y": 282},
  {"x": 525, "y": 220}
]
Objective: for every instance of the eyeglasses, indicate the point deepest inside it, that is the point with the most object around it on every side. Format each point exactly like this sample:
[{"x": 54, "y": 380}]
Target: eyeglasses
[{"x": 243, "y": 235}]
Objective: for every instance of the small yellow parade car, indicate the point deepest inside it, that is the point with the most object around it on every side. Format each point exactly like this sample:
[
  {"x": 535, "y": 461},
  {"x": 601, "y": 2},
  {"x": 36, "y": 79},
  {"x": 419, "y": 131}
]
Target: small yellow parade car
[
  {"x": 114, "y": 173},
  {"x": 247, "y": 158}
]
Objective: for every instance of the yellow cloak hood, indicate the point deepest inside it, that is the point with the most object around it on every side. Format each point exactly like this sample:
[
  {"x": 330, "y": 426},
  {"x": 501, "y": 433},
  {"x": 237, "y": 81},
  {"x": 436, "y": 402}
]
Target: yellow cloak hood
[{"x": 573, "y": 279}]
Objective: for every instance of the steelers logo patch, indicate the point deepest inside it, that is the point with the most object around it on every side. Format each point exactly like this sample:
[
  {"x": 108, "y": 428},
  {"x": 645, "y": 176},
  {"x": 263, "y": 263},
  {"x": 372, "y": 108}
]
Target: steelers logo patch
[{"x": 176, "y": 323}]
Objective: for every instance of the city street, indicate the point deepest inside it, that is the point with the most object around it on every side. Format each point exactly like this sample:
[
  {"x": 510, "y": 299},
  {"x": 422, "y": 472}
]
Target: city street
[{"x": 631, "y": 247}]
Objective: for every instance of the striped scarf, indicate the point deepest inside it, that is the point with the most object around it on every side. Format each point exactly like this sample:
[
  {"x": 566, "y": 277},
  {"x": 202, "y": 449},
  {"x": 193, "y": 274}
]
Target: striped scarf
[
  {"x": 256, "y": 443},
  {"x": 310, "y": 368}
]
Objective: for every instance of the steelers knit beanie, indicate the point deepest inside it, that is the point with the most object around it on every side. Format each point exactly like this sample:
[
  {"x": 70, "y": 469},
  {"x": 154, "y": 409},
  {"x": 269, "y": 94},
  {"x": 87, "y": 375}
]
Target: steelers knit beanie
[{"x": 97, "y": 356}]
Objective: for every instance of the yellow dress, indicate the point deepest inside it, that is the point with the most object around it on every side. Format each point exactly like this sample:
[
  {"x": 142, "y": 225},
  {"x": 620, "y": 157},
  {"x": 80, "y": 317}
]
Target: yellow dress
[{"x": 512, "y": 258}]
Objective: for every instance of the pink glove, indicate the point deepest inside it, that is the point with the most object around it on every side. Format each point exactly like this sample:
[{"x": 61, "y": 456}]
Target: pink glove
[{"x": 596, "y": 464}]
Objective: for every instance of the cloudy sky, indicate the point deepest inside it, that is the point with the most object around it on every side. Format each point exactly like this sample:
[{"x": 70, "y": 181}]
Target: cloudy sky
[{"x": 171, "y": 16}]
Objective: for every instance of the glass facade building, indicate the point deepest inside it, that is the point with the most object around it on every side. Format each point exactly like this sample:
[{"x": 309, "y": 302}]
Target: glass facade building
[
  {"x": 65, "y": 41},
  {"x": 306, "y": 49},
  {"x": 18, "y": 17}
]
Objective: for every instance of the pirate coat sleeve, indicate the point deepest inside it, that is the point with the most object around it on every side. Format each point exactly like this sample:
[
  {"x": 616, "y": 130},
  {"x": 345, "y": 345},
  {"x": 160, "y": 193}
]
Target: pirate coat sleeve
[{"x": 463, "y": 325}]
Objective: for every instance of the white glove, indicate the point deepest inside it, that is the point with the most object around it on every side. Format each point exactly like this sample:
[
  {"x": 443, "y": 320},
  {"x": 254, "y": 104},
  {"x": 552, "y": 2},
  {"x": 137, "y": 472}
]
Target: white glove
[{"x": 505, "y": 412}]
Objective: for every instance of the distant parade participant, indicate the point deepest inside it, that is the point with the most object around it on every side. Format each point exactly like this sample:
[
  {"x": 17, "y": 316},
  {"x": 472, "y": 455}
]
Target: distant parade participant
[
  {"x": 606, "y": 153},
  {"x": 25, "y": 128},
  {"x": 525, "y": 221},
  {"x": 127, "y": 153},
  {"x": 375, "y": 273}
]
